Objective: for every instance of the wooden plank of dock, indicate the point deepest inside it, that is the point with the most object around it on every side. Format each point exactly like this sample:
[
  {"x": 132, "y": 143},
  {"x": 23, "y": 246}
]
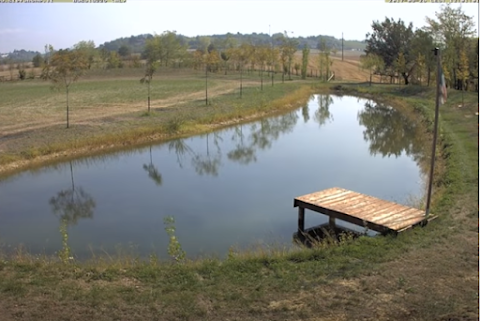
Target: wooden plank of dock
[{"x": 359, "y": 209}]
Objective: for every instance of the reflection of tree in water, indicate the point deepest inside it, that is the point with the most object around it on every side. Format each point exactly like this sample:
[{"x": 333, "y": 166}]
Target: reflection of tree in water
[
  {"x": 208, "y": 164},
  {"x": 390, "y": 132},
  {"x": 204, "y": 164},
  {"x": 181, "y": 150},
  {"x": 262, "y": 134},
  {"x": 152, "y": 171},
  {"x": 322, "y": 114},
  {"x": 72, "y": 204},
  {"x": 242, "y": 153},
  {"x": 306, "y": 113}
]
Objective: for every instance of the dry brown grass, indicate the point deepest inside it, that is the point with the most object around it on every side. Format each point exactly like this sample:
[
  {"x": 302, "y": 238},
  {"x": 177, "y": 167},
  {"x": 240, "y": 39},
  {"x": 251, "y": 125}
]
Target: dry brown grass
[{"x": 346, "y": 70}]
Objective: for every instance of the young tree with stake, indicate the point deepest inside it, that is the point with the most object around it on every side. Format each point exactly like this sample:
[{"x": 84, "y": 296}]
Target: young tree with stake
[{"x": 68, "y": 67}]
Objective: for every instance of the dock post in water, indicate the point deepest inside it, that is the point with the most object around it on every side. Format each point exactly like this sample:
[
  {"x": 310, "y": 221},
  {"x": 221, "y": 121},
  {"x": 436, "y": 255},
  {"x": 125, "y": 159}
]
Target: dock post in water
[{"x": 301, "y": 220}]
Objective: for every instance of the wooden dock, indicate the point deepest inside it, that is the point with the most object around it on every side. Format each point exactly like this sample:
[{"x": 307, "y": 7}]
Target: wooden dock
[{"x": 359, "y": 209}]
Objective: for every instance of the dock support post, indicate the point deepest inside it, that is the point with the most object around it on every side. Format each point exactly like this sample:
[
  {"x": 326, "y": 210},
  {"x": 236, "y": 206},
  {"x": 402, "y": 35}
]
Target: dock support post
[
  {"x": 331, "y": 222},
  {"x": 301, "y": 220}
]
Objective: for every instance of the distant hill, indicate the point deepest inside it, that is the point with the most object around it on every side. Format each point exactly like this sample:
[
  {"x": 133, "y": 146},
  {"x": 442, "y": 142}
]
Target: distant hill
[
  {"x": 18, "y": 56},
  {"x": 137, "y": 43}
]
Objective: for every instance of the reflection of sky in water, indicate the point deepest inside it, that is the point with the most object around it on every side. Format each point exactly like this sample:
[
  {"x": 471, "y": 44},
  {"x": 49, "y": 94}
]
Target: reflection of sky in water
[{"x": 243, "y": 204}]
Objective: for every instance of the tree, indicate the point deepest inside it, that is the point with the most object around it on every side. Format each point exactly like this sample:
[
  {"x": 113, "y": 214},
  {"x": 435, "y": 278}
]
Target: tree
[
  {"x": 305, "y": 54},
  {"x": 152, "y": 54},
  {"x": 420, "y": 68},
  {"x": 372, "y": 63},
  {"x": 387, "y": 40},
  {"x": 463, "y": 72},
  {"x": 68, "y": 67},
  {"x": 288, "y": 48},
  {"x": 400, "y": 65},
  {"x": 169, "y": 47},
  {"x": 272, "y": 60},
  {"x": 241, "y": 56},
  {"x": 150, "y": 69},
  {"x": 450, "y": 30},
  {"x": 87, "y": 48},
  {"x": 124, "y": 51},
  {"x": 324, "y": 60},
  {"x": 49, "y": 51},
  {"x": 104, "y": 55},
  {"x": 37, "y": 60},
  {"x": 114, "y": 60},
  {"x": 421, "y": 48},
  {"x": 262, "y": 53},
  {"x": 22, "y": 74}
]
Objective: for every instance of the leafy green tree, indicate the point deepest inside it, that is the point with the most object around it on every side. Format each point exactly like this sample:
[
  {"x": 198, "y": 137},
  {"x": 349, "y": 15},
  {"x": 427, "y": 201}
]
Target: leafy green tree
[
  {"x": 262, "y": 53},
  {"x": 87, "y": 48},
  {"x": 170, "y": 48},
  {"x": 240, "y": 55},
  {"x": 37, "y": 60},
  {"x": 324, "y": 60},
  {"x": 372, "y": 63},
  {"x": 387, "y": 40},
  {"x": 150, "y": 69},
  {"x": 463, "y": 71},
  {"x": 420, "y": 69},
  {"x": 288, "y": 48},
  {"x": 400, "y": 64},
  {"x": 104, "y": 56},
  {"x": 305, "y": 54},
  {"x": 68, "y": 67},
  {"x": 450, "y": 30},
  {"x": 421, "y": 46},
  {"x": 124, "y": 51},
  {"x": 114, "y": 60},
  {"x": 49, "y": 52}
]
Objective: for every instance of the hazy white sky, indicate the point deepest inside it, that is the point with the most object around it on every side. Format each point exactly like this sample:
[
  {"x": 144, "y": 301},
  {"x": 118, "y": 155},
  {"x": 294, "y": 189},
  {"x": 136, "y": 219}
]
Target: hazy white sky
[{"x": 31, "y": 26}]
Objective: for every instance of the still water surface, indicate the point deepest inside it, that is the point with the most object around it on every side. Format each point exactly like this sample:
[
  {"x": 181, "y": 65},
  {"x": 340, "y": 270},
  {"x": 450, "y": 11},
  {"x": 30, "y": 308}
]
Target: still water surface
[{"x": 231, "y": 187}]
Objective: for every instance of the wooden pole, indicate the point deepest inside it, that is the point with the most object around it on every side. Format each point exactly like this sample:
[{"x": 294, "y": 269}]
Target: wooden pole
[
  {"x": 301, "y": 220},
  {"x": 342, "y": 46},
  {"x": 432, "y": 163}
]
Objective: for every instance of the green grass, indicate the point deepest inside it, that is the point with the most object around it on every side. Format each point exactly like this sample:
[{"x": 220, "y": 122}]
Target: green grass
[{"x": 427, "y": 273}]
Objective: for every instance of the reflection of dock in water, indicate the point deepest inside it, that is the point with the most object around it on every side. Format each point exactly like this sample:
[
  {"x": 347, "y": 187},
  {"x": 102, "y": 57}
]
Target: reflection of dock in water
[
  {"x": 324, "y": 232},
  {"x": 359, "y": 209}
]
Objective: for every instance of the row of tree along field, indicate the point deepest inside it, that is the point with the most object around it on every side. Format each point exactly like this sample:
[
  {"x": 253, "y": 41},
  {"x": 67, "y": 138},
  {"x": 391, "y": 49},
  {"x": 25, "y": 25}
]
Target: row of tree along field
[
  {"x": 166, "y": 50},
  {"x": 397, "y": 51}
]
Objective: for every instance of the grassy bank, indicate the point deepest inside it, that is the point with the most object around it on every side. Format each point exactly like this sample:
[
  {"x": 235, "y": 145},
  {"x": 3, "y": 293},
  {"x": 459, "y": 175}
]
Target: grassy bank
[
  {"x": 35, "y": 134},
  {"x": 423, "y": 274}
]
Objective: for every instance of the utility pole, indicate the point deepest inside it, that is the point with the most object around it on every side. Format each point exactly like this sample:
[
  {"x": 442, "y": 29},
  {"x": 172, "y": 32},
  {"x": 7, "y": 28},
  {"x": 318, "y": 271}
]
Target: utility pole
[
  {"x": 437, "y": 103},
  {"x": 342, "y": 46}
]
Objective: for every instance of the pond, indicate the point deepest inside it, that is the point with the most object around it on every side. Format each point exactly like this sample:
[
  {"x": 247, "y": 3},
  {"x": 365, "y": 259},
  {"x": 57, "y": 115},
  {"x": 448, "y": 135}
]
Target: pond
[{"x": 232, "y": 187}]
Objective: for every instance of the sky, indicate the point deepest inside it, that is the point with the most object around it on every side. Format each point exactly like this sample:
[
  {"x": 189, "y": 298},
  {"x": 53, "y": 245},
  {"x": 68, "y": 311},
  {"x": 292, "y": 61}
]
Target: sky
[{"x": 30, "y": 26}]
